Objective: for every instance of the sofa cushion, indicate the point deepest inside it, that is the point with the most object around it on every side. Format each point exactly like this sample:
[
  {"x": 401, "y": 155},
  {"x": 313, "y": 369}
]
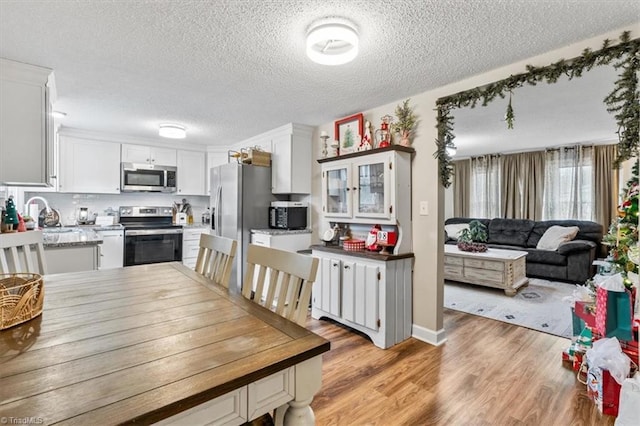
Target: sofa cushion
[
  {"x": 513, "y": 232},
  {"x": 454, "y": 230},
  {"x": 556, "y": 235},
  {"x": 590, "y": 231},
  {"x": 545, "y": 256}
]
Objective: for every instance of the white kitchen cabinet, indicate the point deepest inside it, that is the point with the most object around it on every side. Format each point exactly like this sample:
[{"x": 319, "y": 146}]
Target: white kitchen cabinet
[
  {"x": 191, "y": 173},
  {"x": 89, "y": 166},
  {"x": 148, "y": 155},
  {"x": 368, "y": 187},
  {"x": 26, "y": 126},
  {"x": 71, "y": 259},
  {"x": 291, "y": 160},
  {"x": 191, "y": 245},
  {"x": 371, "y": 296},
  {"x": 111, "y": 249}
]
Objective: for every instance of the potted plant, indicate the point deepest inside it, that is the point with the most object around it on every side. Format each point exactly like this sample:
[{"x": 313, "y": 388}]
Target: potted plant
[
  {"x": 473, "y": 239},
  {"x": 406, "y": 122}
]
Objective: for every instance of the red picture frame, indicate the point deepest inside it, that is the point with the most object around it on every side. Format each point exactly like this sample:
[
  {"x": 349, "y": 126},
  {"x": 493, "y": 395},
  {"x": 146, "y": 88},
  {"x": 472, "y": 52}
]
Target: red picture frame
[{"x": 344, "y": 128}]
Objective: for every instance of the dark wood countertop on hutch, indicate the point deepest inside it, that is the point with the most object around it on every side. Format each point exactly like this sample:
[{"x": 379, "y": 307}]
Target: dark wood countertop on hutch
[
  {"x": 365, "y": 254},
  {"x": 368, "y": 152}
]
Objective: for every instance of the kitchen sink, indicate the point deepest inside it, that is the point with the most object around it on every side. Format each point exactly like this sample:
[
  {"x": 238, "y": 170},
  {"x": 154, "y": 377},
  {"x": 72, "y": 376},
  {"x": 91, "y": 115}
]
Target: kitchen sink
[{"x": 60, "y": 230}]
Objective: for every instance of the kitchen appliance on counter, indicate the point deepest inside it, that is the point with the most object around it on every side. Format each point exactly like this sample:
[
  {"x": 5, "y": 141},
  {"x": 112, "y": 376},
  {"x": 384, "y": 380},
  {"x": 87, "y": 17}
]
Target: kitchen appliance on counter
[
  {"x": 147, "y": 178},
  {"x": 240, "y": 196},
  {"x": 150, "y": 236},
  {"x": 288, "y": 215}
]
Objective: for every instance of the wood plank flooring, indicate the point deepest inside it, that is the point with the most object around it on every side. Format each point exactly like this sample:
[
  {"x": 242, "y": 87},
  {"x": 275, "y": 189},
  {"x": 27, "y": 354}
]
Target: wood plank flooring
[{"x": 487, "y": 373}]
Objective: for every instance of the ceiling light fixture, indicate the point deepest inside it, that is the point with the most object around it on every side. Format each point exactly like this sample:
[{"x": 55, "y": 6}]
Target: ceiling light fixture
[
  {"x": 332, "y": 43},
  {"x": 173, "y": 131},
  {"x": 59, "y": 114}
]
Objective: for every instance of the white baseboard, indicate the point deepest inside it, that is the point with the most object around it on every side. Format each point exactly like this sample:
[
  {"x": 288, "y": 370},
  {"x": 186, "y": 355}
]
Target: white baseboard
[{"x": 432, "y": 337}]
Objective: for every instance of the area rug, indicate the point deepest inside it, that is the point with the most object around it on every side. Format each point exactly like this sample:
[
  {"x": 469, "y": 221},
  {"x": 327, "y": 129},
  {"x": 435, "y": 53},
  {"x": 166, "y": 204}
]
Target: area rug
[{"x": 538, "y": 306}]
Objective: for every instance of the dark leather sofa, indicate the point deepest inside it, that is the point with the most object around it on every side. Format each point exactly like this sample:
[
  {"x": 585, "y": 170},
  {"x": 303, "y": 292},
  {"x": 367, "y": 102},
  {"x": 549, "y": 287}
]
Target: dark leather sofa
[{"x": 571, "y": 262}]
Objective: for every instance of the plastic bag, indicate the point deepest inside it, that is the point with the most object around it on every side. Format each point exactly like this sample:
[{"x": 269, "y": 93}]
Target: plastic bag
[{"x": 607, "y": 354}]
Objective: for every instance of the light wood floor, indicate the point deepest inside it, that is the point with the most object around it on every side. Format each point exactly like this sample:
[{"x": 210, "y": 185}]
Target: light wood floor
[{"x": 487, "y": 373}]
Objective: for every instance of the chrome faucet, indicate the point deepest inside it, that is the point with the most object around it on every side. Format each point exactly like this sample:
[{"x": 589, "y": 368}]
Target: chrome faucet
[{"x": 46, "y": 204}]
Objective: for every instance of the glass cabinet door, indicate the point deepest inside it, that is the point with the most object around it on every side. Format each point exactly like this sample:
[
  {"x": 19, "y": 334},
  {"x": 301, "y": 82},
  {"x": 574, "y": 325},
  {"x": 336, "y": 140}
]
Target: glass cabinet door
[
  {"x": 336, "y": 187},
  {"x": 372, "y": 189}
]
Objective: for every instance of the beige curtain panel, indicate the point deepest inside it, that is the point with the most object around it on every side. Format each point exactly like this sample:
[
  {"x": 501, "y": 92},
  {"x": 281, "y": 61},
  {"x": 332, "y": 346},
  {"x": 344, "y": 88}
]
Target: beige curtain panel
[
  {"x": 461, "y": 188},
  {"x": 605, "y": 184},
  {"x": 522, "y": 185}
]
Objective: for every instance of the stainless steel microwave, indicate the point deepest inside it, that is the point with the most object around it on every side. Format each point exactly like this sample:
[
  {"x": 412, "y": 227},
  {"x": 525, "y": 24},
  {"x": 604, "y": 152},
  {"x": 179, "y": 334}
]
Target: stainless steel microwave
[{"x": 148, "y": 178}]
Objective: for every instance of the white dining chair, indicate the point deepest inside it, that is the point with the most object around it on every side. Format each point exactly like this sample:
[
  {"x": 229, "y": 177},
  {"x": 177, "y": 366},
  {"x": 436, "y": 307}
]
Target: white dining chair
[
  {"x": 215, "y": 258},
  {"x": 22, "y": 252},
  {"x": 283, "y": 281}
]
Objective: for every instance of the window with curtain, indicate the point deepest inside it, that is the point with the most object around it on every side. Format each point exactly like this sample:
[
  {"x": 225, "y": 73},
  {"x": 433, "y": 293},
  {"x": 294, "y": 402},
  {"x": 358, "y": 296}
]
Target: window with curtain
[
  {"x": 545, "y": 185},
  {"x": 485, "y": 187},
  {"x": 568, "y": 184}
]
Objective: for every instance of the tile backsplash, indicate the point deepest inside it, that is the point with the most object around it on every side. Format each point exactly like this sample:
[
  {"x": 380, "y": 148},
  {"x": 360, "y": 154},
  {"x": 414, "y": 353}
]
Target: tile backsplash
[{"x": 68, "y": 205}]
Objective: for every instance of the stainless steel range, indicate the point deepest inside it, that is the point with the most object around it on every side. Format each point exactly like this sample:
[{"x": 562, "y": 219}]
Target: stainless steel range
[{"x": 150, "y": 235}]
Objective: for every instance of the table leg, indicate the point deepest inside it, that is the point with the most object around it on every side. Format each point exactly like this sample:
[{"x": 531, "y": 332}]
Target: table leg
[{"x": 308, "y": 382}]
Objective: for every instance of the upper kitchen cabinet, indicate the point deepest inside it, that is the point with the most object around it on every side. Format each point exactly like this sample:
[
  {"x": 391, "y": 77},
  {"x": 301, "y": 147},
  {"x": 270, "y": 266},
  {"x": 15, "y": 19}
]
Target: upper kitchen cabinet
[
  {"x": 291, "y": 160},
  {"x": 89, "y": 166},
  {"x": 148, "y": 155},
  {"x": 191, "y": 172},
  {"x": 26, "y": 126}
]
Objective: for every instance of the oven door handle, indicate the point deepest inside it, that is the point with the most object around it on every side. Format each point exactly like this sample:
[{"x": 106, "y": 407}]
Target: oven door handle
[{"x": 152, "y": 232}]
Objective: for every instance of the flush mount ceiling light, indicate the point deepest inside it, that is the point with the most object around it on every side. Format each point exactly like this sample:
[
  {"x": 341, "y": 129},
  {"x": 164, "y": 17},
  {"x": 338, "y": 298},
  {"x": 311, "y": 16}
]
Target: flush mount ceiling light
[
  {"x": 332, "y": 43},
  {"x": 173, "y": 131},
  {"x": 59, "y": 114}
]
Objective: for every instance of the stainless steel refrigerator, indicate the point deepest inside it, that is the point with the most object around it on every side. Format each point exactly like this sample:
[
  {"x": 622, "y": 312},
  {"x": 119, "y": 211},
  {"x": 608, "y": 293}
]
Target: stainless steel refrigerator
[{"x": 240, "y": 200}]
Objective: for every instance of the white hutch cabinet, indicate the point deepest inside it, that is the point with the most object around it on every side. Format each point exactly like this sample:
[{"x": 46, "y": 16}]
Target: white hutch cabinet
[
  {"x": 367, "y": 291},
  {"x": 370, "y": 187},
  {"x": 370, "y": 295}
]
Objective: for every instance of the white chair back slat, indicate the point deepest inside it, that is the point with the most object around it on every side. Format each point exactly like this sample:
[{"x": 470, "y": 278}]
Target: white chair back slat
[
  {"x": 291, "y": 276},
  {"x": 215, "y": 258},
  {"x": 22, "y": 252}
]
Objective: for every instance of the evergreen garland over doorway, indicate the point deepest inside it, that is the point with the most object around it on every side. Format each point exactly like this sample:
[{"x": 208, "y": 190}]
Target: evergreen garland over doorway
[{"x": 623, "y": 101}]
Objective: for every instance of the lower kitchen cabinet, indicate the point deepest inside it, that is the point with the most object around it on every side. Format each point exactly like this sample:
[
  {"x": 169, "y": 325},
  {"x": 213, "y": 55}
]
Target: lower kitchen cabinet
[
  {"x": 71, "y": 259},
  {"x": 191, "y": 245},
  {"x": 111, "y": 249},
  {"x": 371, "y": 296}
]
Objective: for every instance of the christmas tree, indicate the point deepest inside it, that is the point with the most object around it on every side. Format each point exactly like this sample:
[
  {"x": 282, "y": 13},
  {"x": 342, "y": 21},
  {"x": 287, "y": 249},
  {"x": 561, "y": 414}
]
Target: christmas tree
[
  {"x": 622, "y": 237},
  {"x": 10, "y": 218}
]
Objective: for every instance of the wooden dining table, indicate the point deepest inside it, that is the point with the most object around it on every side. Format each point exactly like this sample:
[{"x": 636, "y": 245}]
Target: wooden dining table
[{"x": 154, "y": 343}]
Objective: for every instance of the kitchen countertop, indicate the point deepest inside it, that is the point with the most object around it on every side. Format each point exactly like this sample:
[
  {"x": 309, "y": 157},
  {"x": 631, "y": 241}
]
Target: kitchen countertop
[
  {"x": 197, "y": 225},
  {"x": 281, "y": 231},
  {"x": 70, "y": 237}
]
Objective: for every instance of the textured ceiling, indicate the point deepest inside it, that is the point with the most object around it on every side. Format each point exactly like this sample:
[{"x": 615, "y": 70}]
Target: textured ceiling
[{"x": 230, "y": 69}]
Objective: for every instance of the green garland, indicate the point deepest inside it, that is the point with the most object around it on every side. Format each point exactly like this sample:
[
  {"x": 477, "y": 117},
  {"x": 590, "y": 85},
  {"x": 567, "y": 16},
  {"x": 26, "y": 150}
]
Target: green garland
[{"x": 624, "y": 100}]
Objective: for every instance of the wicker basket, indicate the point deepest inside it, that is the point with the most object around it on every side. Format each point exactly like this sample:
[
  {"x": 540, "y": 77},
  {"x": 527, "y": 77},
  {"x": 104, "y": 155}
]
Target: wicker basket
[
  {"x": 258, "y": 158},
  {"x": 21, "y": 298}
]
